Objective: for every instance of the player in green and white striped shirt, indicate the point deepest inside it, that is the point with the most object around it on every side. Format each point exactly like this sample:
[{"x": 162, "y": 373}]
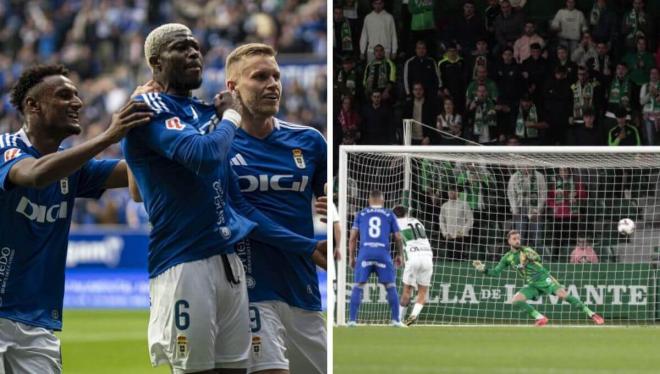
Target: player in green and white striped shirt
[{"x": 419, "y": 263}]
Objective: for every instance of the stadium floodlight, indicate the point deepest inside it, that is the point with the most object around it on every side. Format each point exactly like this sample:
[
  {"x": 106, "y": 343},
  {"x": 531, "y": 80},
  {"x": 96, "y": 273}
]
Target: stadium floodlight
[{"x": 587, "y": 191}]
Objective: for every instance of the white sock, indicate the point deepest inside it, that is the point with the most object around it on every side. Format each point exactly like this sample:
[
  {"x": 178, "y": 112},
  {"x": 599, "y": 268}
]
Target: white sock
[
  {"x": 402, "y": 312},
  {"x": 416, "y": 309}
]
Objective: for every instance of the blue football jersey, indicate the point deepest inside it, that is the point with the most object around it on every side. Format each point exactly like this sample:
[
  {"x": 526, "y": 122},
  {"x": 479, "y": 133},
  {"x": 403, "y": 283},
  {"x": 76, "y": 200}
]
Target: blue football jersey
[
  {"x": 189, "y": 190},
  {"x": 278, "y": 175},
  {"x": 34, "y": 230},
  {"x": 375, "y": 226}
]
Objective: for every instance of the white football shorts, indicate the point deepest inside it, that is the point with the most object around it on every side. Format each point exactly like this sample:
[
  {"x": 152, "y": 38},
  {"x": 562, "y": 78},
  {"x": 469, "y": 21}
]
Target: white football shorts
[
  {"x": 28, "y": 349},
  {"x": 418, "y": 271}
]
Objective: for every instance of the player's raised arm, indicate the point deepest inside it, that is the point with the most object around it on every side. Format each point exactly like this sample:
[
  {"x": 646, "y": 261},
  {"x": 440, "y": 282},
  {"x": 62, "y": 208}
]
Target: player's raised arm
[
  {"x": 496, "y": 271},
  {"x": 41, "y": 172}
]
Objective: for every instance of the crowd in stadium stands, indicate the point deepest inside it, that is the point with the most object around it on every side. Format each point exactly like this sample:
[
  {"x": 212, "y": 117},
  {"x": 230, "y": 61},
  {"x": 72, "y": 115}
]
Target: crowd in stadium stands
[
  {"x": 565, "y": 214},
  {"x": 101, "y": 42},
  {"x": 564, "y": 72}
]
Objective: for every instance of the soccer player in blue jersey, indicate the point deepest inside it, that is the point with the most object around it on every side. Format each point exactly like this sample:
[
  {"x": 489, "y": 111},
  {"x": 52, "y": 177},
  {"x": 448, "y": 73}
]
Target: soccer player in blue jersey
[
  {"x": 199, "y": 313},
  {"x": 281, "y": 166},
  {"x": 374, "y": 225},
  {"x": 39, "y": 182}
]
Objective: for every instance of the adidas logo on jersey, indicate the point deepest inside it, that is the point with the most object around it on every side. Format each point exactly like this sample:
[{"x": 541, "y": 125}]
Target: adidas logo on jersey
[
  {"x": 41, "y": 213},
  {"x": 238, "y": 160}
]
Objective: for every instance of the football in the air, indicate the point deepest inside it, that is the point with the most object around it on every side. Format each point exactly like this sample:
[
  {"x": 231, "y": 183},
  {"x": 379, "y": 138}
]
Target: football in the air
[{"x": 626, "y": 226}]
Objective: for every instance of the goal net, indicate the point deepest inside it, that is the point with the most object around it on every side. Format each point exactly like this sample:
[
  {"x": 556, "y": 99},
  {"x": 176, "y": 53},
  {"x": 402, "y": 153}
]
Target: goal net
[{"x": 566, "y": 203}]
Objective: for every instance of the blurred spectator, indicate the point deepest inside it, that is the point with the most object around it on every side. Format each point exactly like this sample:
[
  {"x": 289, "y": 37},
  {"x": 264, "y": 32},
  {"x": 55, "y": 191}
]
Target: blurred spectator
[
  {"x": 620, "y": 90},
  {"x": 378, "y": 29},
  {"x": 565, "y": 197},
  {"x": 563, "y": 61},
  {"x": 530, "y": 127},
  {"x": 509, "y": 80},
  {"x": 600, "y": 66},
  {"x": 456, "y": 221},
  {"x": 569, "y": 23},
  {"x": 453, "y": 73},
  {"x": 583, "y": 253},
  {"x": 481, "y": 56},
  {"x": 586, "y": 93},
  {"x": 521, "y": 48},
  {"x": 422, "y": 24},
  {"x": 464, "y": 31},
  {"x": 640, "y": 63},
  {"x": 483, "y": 116},
  {"x": 585, "y": 50},
  {"x": 636, "y": 24},
  {"x": 421, "y": 68},
  {"x": 508, "y": 26},
  {"x": 380, "y": 75},
  {"x": 377, "y": 121},
  {"x": 422, "y": 110},
  {"x": 527, "y": 193},
  {"x": 481, "y": 79},
  {"x": 623, "y": 133},
  {"x": 603, "y": 23},
  {"x": 490, "y": 14},
  {"x": 589, "y": 132},
  {"x": 348, "y": 81},
  {"x": 346, "y": 39},
  {"x": 649, "y": 98},
  {"x": 535, "y": 70},
  {"x": 558, "y": 102},
  {"x": 450, "y": 122},
  {"x": 349, "y": 121}
]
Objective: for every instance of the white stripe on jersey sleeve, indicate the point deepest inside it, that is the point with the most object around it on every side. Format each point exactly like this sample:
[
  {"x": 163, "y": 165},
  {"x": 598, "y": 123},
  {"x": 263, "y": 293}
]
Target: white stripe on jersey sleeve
[
  {"x": 160, "y": 101},
  {"x": 151, "y": 105},
  {"x": 292, "y": 126},
  {"x": 2, "y": 141},
  {"x": 240, "y": 159}
]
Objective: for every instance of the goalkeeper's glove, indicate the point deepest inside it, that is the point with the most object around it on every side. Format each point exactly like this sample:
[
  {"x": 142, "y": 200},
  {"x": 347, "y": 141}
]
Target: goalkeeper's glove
[{"x": 478, "y": 265}]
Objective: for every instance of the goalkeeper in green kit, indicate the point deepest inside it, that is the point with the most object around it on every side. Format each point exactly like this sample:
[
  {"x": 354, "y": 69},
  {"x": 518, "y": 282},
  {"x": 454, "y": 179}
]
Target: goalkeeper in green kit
[{"x": 539, "y": 281}]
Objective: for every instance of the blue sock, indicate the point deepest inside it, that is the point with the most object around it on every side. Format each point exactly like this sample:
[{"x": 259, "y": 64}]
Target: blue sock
[
  {"x": 356, "y": 299},
  {"x": 393, "y": 300}
]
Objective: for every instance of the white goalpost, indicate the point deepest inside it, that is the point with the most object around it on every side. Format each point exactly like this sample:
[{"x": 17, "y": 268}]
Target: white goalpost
[{"x": 565, "y": 201}]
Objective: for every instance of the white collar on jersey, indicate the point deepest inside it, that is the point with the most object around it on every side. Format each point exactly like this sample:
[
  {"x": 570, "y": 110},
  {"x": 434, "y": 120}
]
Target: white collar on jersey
[
  {"x": 23, "y": 136},
  {"x": 375, "y": 206},
  {"x": 276, "y": 123}
]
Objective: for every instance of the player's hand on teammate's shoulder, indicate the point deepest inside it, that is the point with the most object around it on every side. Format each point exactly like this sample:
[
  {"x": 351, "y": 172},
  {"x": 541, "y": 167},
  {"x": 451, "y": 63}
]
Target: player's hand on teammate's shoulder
[
  {"x": 149, "y": 87},
  {"x": 132, "y": 114},
  {"x": 227, "y": 100},
  {"x": 320, "y": 254}
]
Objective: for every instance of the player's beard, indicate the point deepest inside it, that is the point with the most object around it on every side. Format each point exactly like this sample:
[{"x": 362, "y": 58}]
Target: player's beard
[{"x": 187, "y": 83}]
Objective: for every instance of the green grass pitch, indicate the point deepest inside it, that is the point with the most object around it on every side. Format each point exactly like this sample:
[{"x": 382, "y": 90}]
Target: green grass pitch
[
  {"x": 498, "y": 350},
  {"x": 100, "y": 342}
]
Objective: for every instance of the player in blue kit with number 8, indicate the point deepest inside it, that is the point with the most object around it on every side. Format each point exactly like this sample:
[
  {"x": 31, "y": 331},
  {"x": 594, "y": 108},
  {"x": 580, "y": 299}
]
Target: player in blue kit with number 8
[{"x": 374, "y": 225}]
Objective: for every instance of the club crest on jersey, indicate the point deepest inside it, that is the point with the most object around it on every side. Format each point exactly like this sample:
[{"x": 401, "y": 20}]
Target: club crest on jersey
[
  {"x": 181, "y": 346},
  {"x": 64, "y": 186},
  {"x": 174, "y": 124},
  {"x": 11, "y": 154},
  {"x": 298, "y": 158}
]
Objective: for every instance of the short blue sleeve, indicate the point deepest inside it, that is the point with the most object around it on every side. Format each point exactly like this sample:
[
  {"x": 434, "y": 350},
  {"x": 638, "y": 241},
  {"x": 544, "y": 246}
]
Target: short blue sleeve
[
  {"x": 356, "y": 222},
  {"x": 320, "y": 175},
  {"x": 93, "y": 176},
  {"x": 10, "y": 156}
]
